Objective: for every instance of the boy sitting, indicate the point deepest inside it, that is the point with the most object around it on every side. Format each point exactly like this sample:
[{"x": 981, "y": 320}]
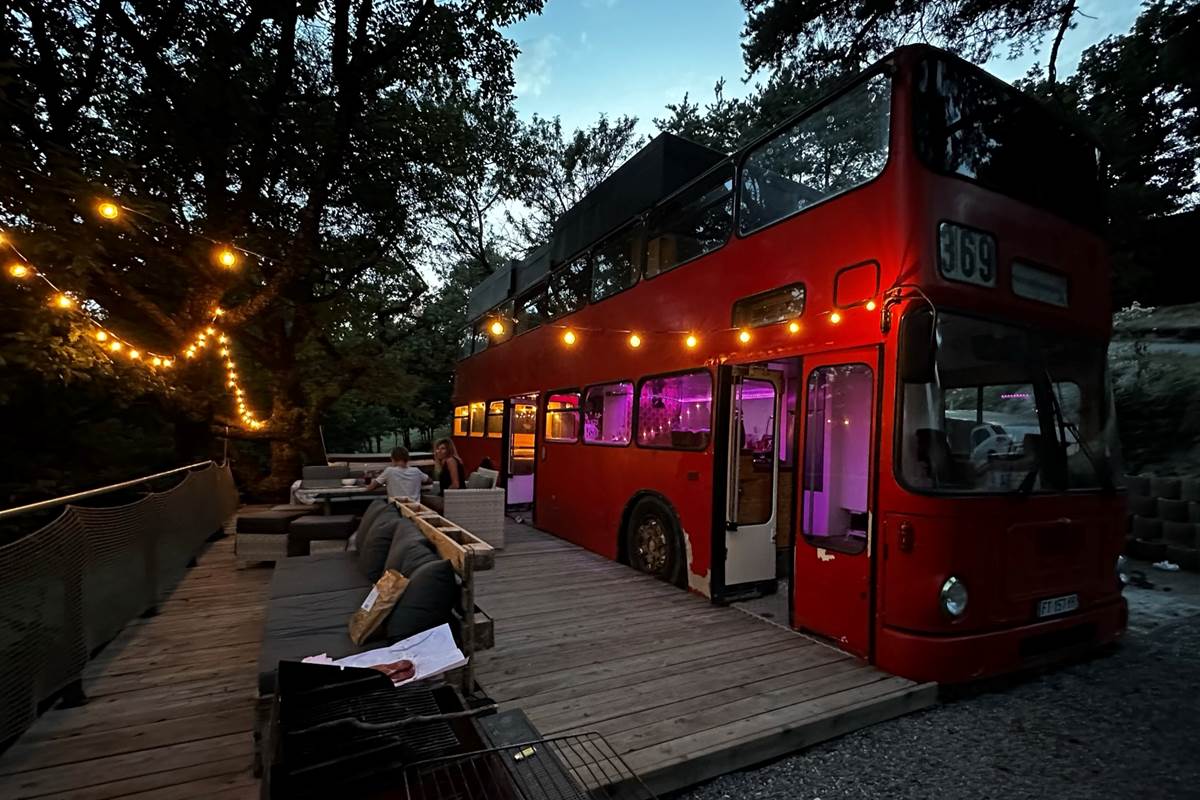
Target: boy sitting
[{"x": 401, "y": 480}]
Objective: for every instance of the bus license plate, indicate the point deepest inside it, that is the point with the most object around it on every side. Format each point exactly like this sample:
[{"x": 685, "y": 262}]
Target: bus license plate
[{"x": 1058, "y": 605}]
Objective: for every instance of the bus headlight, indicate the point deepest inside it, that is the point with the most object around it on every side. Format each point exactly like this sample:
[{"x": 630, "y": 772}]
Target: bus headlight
[
  {"x": 1123, "y": 570},
  {"x": 954, "y": 597}
]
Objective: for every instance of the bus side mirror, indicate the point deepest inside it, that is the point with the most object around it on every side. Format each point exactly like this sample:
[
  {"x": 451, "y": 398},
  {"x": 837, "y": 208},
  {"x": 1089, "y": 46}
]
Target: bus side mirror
[{"x": 918, "y": 351}]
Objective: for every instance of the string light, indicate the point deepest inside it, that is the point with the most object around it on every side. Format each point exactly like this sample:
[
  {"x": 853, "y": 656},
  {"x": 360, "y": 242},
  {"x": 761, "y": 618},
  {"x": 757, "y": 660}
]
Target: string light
[
  {"x": 497, "y": 328},
  {"x": 835, "y": 318},
  {"x": 793, "y": 327},
  {"x": 744, "y": 336},
  {"x": 569, "y": 338},
  {"x": 111, "y": 342},
  {"x": 691, "y": 341},
  {"x": 227, "y": 258},
  {"x": 870, "y": 305},
  {"x": 635, "y": 341}
]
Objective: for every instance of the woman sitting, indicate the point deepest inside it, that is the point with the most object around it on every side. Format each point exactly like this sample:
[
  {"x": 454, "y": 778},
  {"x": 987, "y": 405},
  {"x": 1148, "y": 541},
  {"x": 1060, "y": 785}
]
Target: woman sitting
[{"x": 449, "y": 468}]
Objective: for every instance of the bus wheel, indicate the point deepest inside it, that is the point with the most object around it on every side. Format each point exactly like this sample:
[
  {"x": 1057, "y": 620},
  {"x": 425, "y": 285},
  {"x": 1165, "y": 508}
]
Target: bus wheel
[{"x": 652, "y": 541}]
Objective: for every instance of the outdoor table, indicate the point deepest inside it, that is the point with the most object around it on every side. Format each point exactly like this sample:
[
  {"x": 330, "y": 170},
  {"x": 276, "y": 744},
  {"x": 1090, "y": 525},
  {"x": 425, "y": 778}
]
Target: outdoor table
[{"x": 327, "y": 496}]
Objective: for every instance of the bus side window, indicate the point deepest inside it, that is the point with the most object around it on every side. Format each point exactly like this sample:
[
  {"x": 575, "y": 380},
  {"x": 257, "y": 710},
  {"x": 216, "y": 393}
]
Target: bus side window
[
  {"x": 461, "y": 416},
  {"x": 531, "y": 309},
  {"x": 569, "y": 288},
  {"x": 562, "y": 417},
  {"x": 615, "y": 262},
  {"x": 695, "y": 222}
]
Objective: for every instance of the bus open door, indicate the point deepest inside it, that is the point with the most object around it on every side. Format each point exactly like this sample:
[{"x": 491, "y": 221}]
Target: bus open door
[{"x": 831, "y": 587}]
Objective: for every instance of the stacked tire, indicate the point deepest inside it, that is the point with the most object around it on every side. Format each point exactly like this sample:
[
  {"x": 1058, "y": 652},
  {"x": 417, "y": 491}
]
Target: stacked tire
[{"x": 1164, "y": 519}]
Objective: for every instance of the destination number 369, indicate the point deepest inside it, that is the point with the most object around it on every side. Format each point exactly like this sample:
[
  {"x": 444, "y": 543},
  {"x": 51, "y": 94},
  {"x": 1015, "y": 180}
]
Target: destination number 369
[{"x": 967, "y": 255}]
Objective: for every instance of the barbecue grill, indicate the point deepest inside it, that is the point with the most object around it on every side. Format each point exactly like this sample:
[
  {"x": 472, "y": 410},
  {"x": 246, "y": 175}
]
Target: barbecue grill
[
  {"x": 578, "y": 767},
  {"x": 341, "y": 729}
]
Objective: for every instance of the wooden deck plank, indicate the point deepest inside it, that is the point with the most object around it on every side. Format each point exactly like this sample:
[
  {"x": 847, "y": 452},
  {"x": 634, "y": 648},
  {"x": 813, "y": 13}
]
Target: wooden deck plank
[
  {"x": 683, "y": 690},
  {"x": 170, "y": 712}
]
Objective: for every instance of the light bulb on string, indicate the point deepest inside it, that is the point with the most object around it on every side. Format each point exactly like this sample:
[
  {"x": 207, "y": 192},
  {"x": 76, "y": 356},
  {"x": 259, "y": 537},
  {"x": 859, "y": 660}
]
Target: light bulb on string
[
  {"x": 64, "y": 300},
  {"x": 222, "y": 339},
  {"x": 134, "y": 355},
  {"x": 210, "y": 330},
  {"x": 227, "y": 257},
  {"x": 691, "y": 341},
  {"x": 108, "y": 209},
  {"x": 115, "y": 347},
  {"x": 635, "y": 341},
  {"x": 793, "y": 327},
  {"x": 870, "y": 305},
  {"x": 744, "y": 336},
  {"x": 569, "y": 338},
  {"x": 835, "y": 318},
  {"x": 497, "y": 328},
  {"x": 168, "y": 363},
  {"x": 19, "y": 270},
  {"x": 101, "y": 336},
  {"x": 156, "y": 361},
  {"x": 218, "y": 311}
]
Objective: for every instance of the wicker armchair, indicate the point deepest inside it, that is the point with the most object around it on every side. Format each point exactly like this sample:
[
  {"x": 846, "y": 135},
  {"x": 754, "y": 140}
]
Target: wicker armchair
[{"x": 481, "y": 511}]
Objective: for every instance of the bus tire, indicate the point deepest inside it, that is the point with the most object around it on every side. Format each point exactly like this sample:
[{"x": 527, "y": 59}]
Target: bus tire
[{"x": 653, "y": 541}]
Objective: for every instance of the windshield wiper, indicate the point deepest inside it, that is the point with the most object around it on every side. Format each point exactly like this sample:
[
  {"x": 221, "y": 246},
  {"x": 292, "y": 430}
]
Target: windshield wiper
[{"x": 1064, "y": 426}]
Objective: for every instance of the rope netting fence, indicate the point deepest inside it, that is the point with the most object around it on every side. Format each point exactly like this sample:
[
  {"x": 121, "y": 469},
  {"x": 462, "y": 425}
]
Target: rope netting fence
[{"x": 71, "y": 586}]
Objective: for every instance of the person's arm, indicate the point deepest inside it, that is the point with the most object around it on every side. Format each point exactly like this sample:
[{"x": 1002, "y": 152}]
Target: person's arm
[
  {"x": 376, "y": 481},
  {"x": 452, "y": 465}
]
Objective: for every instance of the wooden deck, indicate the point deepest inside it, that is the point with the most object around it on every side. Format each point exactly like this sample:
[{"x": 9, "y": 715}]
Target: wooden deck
[
  {"x": 171, "y": 707},
  {"x": 683, "y": 690}
]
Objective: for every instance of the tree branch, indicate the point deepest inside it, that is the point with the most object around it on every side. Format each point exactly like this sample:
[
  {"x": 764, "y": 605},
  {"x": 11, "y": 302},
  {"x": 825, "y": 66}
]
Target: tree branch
[{"x": 1063, "y": 26}]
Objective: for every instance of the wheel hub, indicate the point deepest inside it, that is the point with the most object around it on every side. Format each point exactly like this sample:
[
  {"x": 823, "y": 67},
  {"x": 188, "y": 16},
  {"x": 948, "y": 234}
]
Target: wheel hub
[{"x": 651, "y": 541}]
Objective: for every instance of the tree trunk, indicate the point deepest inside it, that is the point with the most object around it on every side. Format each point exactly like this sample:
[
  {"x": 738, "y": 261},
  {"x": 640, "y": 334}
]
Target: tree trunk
[{"x": 407, "y": 434}]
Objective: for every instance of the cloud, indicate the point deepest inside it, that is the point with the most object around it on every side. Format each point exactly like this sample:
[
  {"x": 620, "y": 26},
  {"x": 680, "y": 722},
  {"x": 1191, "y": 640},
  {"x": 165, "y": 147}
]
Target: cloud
[
  {"x": 533, "y": 69},
  {"x": 583, "y": 39}
]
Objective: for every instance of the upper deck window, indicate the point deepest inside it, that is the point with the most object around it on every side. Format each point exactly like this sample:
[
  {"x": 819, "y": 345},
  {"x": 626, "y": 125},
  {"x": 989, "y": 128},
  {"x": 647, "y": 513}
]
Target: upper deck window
[
  {"x": 973, "y": 126},
  {"x": 768, "y": 308},
  {"x": 695, "y": 222},
  {"x": 568, "y": 288},
  {"x": 615, "y": 262},
  {"x": 841, "y": 145},
  {"x": 533, "y": 309}
]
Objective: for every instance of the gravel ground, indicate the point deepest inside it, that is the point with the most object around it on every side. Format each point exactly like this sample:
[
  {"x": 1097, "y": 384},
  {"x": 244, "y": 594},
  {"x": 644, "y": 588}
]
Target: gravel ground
[{"x": 1123, "y": 725}]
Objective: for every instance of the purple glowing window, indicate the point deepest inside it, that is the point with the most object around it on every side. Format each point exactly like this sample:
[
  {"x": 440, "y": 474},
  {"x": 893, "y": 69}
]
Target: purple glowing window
[
  {"x": 608, "y": 413},
  {"x": 675, "y": 411}
]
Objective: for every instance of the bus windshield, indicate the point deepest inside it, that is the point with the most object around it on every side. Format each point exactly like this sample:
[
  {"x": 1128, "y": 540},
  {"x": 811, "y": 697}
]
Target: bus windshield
[
  {"x": 976, "y": 127},
  {"x": 1008, "y": 410}
]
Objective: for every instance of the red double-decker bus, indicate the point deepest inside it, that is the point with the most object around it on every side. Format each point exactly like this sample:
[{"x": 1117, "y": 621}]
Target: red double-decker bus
[{"x": 864, "y": 356}]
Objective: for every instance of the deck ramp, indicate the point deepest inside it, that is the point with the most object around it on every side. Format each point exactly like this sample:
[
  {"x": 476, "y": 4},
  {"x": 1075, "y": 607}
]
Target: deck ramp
[{"x": 684, "y": 690}]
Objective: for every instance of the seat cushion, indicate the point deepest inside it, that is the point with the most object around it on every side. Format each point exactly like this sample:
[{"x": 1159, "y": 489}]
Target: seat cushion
[
  {"x": 477, "y": 481},
  {"x": 369, "y": 516},
  {"x": 324, "y": 572},
  {"x": 324, "y": 473},
  {"x": 266, "y": 521},
  {"x": 410, "y": 549},
  {"x": 427, "y": 601},
  {"x": 306, "y": 625},
  {"x": 319, "y": 526},
  {"x": 373, "y": 553}
]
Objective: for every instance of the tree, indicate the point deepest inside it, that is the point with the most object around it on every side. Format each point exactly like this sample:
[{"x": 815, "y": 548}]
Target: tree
[
  {"x": 321, "y": 135},
  {"x": 1140, "y": 96},
  {"x": 562, "y": 169},
  {"x": 826, "y": 37}
]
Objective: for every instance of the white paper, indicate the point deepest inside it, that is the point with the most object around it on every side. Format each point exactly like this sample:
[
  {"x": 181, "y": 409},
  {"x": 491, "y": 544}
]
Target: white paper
[
  {"x": 432, "y": 653},
  {"x": 369, "y": 603}
]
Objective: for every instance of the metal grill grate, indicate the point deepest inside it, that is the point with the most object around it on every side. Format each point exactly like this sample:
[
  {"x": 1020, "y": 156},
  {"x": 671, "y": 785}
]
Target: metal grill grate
[{"x": 579, "y": 767}]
